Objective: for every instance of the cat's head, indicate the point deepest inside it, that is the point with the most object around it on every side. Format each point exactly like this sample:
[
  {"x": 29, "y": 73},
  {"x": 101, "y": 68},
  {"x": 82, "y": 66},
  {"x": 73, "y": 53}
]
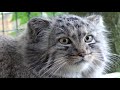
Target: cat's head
[{"x": 67, "y": 46}]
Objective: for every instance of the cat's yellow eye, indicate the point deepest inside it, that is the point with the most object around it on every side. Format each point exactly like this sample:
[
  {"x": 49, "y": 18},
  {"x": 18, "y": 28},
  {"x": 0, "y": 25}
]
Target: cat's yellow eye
[
  {"x": 89, "y": 38},
  {"x": 64, "y": 41}
]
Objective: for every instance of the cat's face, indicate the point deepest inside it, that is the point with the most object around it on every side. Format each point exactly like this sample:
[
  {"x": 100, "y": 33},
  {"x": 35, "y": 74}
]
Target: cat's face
[{"x": 75, "y": 46}]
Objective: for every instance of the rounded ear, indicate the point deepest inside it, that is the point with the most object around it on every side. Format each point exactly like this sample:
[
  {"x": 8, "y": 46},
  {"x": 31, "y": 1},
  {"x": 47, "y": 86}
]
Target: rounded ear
[
  {"x": 97, "y": 19},
  {"x": 36, "y": 25}
]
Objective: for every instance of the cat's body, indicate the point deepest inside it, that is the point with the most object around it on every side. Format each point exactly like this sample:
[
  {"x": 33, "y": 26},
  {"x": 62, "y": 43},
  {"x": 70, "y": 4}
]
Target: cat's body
[{"x": 67, "y": 46}]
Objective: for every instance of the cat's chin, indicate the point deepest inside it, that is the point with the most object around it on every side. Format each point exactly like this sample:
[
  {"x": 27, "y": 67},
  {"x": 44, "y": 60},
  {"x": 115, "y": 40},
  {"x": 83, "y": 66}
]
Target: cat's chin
[
  {"x": 72, "y": 71},
  {"x": 79, "y": 62}
]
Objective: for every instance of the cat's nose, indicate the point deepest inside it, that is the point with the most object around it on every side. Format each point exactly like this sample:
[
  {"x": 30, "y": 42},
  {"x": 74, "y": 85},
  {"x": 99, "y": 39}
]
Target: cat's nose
[{"x": 81, "y": 54}]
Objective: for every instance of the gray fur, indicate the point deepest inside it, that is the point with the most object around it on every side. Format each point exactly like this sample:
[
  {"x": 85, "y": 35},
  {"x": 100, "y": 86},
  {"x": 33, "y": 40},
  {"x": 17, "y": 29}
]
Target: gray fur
[{"x": 37, "y": 53}]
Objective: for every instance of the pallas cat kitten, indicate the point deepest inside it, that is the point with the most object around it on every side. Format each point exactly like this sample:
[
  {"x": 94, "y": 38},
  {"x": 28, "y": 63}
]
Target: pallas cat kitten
[{"x": 66, "y": 46}]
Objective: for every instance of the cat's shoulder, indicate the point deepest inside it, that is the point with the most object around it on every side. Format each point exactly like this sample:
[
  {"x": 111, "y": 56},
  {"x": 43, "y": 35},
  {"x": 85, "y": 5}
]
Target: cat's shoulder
[
  {"x": 7, "y": 43},
  {"x": 4, "y": 38}
]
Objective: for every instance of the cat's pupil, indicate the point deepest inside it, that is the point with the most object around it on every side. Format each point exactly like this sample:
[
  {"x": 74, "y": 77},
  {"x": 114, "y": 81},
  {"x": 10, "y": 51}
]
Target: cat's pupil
[
  {"x": 87, "y": 38},
  {"x": 64, "y": 40}
]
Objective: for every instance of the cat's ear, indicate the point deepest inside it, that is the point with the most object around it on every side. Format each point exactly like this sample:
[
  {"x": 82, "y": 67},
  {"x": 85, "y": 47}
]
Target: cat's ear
[
  {"x": 97, "y": 19},
  {"x": 36, "y": 25}
]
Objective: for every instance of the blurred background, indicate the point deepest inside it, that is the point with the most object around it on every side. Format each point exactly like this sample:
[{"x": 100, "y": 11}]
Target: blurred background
[{"x": 13, "y": 23}]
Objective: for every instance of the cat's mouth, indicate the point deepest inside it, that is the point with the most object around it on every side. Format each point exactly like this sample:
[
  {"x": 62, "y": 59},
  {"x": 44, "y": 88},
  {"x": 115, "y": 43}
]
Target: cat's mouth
[{"x": 77, "y": 60}]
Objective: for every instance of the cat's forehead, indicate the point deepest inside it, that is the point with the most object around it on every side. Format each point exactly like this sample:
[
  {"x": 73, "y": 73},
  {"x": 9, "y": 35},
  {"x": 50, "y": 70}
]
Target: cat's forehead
[
  {"x": 72, "y": 23},
  {"x": 70, "y": 19}
]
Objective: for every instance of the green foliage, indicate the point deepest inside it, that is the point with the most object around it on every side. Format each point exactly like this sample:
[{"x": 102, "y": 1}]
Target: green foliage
[
  {"x": 33, "y": 14},
  {"x": 13, "y": 34},
  {"x": 24, "y": 17}
]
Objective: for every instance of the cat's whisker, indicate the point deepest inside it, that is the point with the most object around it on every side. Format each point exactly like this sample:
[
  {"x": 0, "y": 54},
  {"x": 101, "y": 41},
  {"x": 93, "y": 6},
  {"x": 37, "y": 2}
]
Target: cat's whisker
[
  {"x": 54, "y": 71},
  {"x": 52, "y": 65},
  {"x": 49, "y": 64},
  {"x": 46, "y": 64},
  {"x": 55, "y": 68},
  {"x": 114, "y": 55},
  {"x": 114, "y": 58},
  {"x": 51, "y": 68}
]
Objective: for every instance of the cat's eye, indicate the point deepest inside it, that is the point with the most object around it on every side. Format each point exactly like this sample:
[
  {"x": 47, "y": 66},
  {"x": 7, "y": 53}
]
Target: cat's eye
[
  {"x": 89, "y": 38},
  {"x": 64, "y": 41}
]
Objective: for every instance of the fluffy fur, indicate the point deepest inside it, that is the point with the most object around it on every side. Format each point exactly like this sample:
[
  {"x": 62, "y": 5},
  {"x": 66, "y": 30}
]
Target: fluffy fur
[{"x": 57, "y": 48}]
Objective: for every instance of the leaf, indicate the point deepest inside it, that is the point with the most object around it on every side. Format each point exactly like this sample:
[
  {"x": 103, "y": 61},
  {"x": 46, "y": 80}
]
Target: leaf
[
  {"x": 33, "y": 14},
  {"x": 23, "y": 16}
]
